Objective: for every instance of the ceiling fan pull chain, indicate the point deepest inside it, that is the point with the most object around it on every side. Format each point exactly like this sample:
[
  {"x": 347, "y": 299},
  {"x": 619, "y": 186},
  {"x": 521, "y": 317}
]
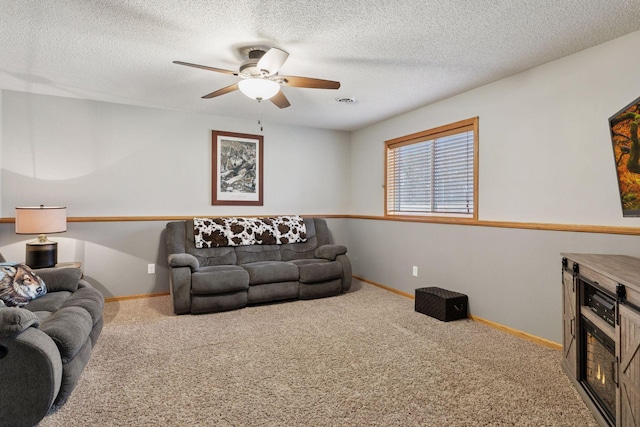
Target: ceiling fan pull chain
[{"x": 260, "y": 115}]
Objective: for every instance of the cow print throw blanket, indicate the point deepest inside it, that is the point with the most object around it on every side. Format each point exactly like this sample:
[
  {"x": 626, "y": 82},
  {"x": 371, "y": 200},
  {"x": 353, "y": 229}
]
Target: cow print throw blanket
[{"x": 216, "y": 232}]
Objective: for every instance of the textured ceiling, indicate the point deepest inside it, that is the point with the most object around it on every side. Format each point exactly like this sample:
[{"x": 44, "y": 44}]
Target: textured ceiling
[{"x": 393, "y": 56}]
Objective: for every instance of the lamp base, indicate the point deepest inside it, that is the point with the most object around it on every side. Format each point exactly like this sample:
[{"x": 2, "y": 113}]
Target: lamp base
[{"x": 41, "y": 255}]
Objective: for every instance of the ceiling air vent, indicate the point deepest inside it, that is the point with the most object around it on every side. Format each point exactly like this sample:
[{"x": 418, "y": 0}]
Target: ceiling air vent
[{"x": 347, "y": 100}]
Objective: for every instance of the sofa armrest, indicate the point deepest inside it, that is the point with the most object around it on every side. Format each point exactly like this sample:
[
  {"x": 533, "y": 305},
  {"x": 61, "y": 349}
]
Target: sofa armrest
[
  {"x": 346, "y": 271},
  {"x": 180, "y": 288},
  {"x": 30, "y": 376},
  {"x": 14, "y": 321},
  {"x": 181, "y": 265},
  {"x": 330, "y": 252},
  {"x": 183, "y": 260}
]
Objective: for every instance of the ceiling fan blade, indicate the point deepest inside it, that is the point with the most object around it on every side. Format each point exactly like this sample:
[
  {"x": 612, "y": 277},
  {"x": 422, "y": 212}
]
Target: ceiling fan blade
[
  {"x": 272, "y": 61},
  {"x": 221, "y": 91},
  {"x": 308, "y": 82},
  {"x": 279, "y": 100},
  {"x": 204, "y": 67}
]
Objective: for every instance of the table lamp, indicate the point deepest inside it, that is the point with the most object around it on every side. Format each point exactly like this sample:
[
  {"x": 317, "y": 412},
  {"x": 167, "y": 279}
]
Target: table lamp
[{"x": 41, "y": 220}]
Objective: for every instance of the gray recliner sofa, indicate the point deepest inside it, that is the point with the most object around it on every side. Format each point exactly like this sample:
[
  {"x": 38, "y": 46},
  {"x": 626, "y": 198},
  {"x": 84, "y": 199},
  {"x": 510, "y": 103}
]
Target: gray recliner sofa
[
  {"x": 213, "y": 279},
  {"x": 45, "y": 346}
]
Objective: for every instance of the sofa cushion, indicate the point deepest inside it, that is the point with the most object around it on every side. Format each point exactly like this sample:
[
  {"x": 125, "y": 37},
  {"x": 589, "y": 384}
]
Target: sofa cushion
[
  {"x": 214, "y": 256},
  {"x": 69, "y": 328},
  {"x": 71, "y": 372},
  {"x": 319, "y": 290},
  {"x": 313, "y": 271},
  {"x": 257, "y": 253},
  {"x": 272, "y": 292},
  {"x": 219, "y": 279},
  {"x": 19, "y": 284},
  {"x": 89, "y": 299},
  {"x": 48, "y": 303},
  {"x": 218, "y": 302},
  {"x": 293, "y": 251},
  {"x": 271, "y": 272}
]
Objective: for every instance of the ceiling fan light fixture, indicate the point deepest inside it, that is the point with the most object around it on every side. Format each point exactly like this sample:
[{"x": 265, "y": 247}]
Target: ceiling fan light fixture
[{"x": 258, "y": 88}]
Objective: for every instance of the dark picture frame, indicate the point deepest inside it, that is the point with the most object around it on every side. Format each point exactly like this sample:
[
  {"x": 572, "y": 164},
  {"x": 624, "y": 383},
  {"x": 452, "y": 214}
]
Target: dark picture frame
[
  {"x": 237, "y": 169},
  {"x": 625, "y": 137}
]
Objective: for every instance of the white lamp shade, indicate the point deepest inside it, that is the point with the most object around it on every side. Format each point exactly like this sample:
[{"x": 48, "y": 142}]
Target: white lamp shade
[
  {"x": 41, "y": 220},
  {"x": 258, "y": 88}
]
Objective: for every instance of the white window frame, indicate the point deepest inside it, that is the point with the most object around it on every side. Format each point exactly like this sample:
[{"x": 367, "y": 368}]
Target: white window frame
[{"x": 424, "y": 203}]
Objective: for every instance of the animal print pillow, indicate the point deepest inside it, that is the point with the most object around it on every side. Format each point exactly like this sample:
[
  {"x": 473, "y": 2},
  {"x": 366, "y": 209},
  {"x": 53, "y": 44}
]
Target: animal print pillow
[{"x": 19, "y": 284}]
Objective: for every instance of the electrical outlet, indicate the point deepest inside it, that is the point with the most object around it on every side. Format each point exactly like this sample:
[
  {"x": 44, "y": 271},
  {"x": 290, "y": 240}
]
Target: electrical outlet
[
  {"x": 151, "y": 269},
  {"x": 415, "y": 271}
]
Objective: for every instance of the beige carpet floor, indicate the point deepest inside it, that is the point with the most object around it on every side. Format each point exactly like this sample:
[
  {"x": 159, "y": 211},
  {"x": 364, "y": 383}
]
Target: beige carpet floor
[{"x": 365, "y": 358}]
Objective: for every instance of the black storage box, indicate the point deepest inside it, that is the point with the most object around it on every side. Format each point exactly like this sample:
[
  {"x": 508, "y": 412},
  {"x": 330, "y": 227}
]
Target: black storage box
[{"x": 442, "y": 304}]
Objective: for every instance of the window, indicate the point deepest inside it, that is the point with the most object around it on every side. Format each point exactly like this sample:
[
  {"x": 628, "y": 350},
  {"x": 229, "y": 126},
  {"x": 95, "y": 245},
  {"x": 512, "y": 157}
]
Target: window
[{"x": 434, "y": 172}]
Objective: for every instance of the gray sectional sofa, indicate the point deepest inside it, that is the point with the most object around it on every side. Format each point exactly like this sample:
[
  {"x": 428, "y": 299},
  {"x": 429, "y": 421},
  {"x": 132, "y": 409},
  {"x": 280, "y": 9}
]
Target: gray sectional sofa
[
  {"x": 45, "y": 346},
  {"x": 228, "y": 275}
]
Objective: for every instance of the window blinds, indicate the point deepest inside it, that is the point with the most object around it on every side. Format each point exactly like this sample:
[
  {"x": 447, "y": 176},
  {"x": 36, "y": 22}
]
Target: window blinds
[{"x": 432, "y": 176}]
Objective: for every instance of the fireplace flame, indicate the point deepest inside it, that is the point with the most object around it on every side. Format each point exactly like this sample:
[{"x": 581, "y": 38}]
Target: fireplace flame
[{"x": 601, "y": 376}]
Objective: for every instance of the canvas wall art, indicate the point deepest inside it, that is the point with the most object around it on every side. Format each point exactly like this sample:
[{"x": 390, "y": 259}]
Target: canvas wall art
[{"x": 626, "y": 149}]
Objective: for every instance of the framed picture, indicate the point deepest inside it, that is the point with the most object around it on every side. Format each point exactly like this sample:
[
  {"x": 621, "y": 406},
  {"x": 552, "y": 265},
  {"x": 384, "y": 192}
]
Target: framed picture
[
  {"x": 237, "y": 168},
  {"x": 625, "y": 137}
]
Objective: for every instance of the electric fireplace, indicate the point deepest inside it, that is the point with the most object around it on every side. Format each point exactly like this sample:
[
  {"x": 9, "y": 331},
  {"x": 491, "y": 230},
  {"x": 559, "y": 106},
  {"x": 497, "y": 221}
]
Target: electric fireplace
[
  {"x": 601, "y": 334},
  {"x": 598, "y": 368}
]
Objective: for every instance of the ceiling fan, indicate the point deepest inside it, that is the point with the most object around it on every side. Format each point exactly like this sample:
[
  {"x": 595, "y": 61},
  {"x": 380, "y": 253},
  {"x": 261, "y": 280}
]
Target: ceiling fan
[{"x": 260, "y": 79}]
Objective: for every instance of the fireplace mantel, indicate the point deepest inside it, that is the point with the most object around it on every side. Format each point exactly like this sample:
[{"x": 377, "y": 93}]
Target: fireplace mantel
[{"x": 601, "y": 334}]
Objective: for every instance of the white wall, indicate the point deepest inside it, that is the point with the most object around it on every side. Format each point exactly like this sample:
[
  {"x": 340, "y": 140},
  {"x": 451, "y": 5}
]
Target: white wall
[
  {"x": 102, "y": 159},
  {"x": 108, "y": 160},
  {"x": 545, "y": 157}
]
